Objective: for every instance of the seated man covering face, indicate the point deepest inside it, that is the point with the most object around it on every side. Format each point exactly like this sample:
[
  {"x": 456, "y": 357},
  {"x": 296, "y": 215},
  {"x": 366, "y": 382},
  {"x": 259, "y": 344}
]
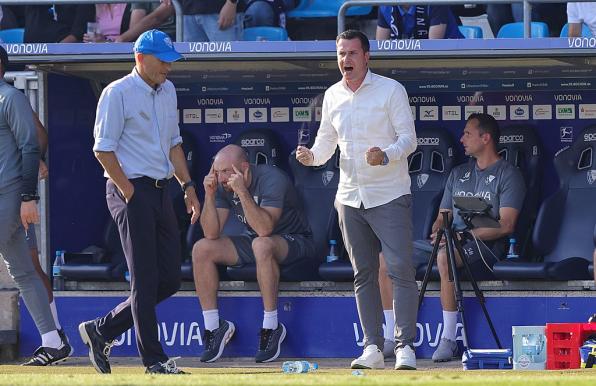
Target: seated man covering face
[{"x": 263, "y": 198}]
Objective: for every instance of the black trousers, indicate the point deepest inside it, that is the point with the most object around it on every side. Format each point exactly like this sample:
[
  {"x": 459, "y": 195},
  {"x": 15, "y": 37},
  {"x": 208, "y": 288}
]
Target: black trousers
[{"x": 151, "y": 243}]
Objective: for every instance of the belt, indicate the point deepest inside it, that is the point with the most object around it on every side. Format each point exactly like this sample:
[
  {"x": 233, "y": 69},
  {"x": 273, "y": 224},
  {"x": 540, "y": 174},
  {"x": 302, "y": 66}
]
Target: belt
[{"x": 159, "y": 184}]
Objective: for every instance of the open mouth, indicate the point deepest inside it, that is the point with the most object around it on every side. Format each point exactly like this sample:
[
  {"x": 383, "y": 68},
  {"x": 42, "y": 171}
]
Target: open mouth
[{"x": 348, "y": 69}]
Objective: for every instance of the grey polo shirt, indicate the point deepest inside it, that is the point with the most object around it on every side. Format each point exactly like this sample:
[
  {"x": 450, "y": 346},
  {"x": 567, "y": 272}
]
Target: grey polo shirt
[
  {"x": 19, "y": 147},
  {"x": 139, "y": 124}
]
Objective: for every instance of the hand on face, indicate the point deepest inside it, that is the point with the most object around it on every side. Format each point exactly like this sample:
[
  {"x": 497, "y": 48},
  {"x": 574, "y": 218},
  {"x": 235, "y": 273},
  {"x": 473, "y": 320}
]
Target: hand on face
[
  {"x": 237, "y": 181},
  {"x": 210, "y": 182}
]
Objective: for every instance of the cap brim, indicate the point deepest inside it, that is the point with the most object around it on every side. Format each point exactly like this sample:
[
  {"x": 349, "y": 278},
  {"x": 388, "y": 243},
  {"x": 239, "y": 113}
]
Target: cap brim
[{"x": 170, "y": 56}]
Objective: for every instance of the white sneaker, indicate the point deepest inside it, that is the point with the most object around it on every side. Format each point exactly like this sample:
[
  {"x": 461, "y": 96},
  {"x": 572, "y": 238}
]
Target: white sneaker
[
  {"x": 405, "y": 358},
  {"x": 371, "y": 358}
]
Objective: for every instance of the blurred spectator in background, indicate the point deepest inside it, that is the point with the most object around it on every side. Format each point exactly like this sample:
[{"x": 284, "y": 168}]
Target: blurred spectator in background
[
  {"x": 416, "y": 22},
  {"x": 111, "y": 21},
  {"x": 578, "y": 14},
  {"x": 53, "y": 23},
  {"x": 267, "y": 12},
  {"x": 212, "y": 20},
  {"x": 147, "y": 16},
  {"x": 551, "y": 14}
]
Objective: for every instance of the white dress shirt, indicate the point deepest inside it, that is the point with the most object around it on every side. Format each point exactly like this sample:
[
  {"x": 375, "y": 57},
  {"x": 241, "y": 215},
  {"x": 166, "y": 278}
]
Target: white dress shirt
[
  {"x": 139, "y": 124},
  {"x": 376, "y": 114}
]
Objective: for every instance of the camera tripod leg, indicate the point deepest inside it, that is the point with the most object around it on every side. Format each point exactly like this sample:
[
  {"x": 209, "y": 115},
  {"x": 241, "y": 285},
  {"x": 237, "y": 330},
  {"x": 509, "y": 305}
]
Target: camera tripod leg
[
  {"x": 429, "y": 267},
  {"x": 477, "y": 292},
  {"x": 453, "y": 274}
]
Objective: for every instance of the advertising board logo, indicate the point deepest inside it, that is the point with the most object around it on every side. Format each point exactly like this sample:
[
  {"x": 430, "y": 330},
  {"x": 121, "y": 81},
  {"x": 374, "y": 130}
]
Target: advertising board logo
[
  {"x": 191, "y": 116},
  {"x": 214, "y": 115},
  {"x": 518, "y": 138},
  {"x": 257, "y": 114},
  {"x": 220, "y": 138},
  {"x": 280, "y": 114},
  {"x": 542, "y": 112},
  {"x": 589, "y": 137},
  {"x": 587, "y": 111},
  {"x": 318, "y": 113},
  {"x": 302, "y": 114},
  {"x": 565, "y": 112},
  {"x": 427, "y": 141},
  {"x": 497, "y": 111},
  {"x": 451, "y": 113},
  {"x": 519, "y": 112},
  {"x": 566, "y": 134},
  {"x": 235, "y": 115},
  {"x": 469, "y": 110},
  {"x": 252, "y": 142},
  {"x": 429, "y": 113}
]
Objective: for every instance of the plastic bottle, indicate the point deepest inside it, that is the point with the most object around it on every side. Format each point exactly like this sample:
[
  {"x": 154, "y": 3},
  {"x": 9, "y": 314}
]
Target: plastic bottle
[
  {"x": 58, "y": 280},
  {"x": 294, "y": 367},
  {"x": 127, "y": 276},
  {"x": 332, "y": 256},
  {"x": 512, "y": 254}
]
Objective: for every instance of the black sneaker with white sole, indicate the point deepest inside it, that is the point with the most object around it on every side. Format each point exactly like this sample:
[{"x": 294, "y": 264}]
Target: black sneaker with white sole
[
  {"x": 45, "y": 356},
  {"x": 168, "y": 367},
  {"x": 99, "y": 347},
  {"x": 216, "y": 340},
  {"x": 64, "y": 338},
  {"x": 270, "y": 343}
]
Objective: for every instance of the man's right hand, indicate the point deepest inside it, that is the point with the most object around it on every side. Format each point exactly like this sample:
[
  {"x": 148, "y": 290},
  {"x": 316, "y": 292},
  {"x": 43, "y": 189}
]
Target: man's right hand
[
  {"x": 29, "y": 214},
  {"x": 210, "y": 183},
  {"x": 304, "y": 156}
]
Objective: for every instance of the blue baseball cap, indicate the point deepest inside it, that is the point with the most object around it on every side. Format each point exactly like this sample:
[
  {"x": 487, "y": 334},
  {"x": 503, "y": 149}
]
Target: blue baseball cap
[{"x": 157, "y": 43}]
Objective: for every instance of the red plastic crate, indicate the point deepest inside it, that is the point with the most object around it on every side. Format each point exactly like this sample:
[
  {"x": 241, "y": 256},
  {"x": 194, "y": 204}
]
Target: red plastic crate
[{"x": 563, "y": 341}]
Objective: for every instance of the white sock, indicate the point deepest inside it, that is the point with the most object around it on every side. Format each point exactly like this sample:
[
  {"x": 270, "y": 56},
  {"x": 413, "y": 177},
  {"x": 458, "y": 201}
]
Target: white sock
[
  {"x": 211, "y": 318},
  {"x": 389, "y": 333},
  {"x": 270, "y": 319},
  {"x": 55, "y": 314},
  {"x": 449, "y": 325},
  {"x": 51, "y": 339}
]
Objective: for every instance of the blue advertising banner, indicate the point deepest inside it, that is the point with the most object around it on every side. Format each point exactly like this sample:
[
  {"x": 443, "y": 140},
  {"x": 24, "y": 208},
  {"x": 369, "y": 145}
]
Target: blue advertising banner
[{"x": 317, "y": 326}]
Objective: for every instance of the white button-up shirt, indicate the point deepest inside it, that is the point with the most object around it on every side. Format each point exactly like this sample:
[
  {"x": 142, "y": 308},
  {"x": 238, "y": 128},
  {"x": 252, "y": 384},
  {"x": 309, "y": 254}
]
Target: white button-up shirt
[
  {"x": 139, "y": 124},
  {"x": 377, "y": 114}
]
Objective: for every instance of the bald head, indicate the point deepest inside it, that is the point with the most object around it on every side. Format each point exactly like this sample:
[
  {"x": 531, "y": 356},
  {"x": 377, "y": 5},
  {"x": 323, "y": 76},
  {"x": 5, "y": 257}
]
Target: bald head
[{"x": 228, "y": 158}]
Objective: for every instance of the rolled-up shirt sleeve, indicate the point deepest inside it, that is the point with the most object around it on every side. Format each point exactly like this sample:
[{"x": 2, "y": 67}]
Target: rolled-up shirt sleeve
[
  {"x": 109, "y": 120},
  {"x": 326, "y": 141},
  {"x": 403, "y": 124}
]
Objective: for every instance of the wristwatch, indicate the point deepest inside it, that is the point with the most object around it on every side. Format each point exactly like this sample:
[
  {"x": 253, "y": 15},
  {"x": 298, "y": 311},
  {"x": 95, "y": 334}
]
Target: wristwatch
[
  {"x": 29, "y": 197},
  {"x": 187, "y": 185},
  {"x": 385, "y": 159}
]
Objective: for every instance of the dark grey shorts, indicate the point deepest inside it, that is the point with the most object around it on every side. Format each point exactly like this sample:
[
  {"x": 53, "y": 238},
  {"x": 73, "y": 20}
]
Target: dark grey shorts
[
  {"x": 299, "y": 247},
  {"x": 492, "y": 251}
]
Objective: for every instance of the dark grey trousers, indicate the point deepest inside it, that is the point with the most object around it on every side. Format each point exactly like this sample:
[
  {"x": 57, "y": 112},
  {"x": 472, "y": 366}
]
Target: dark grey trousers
[
  {"x": 366, "y": 232},
  {"x": 15, "y": 252}
]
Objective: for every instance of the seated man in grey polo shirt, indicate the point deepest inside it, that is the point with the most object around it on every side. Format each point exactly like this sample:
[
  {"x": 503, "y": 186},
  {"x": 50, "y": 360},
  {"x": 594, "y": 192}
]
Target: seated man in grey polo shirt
[{"x": 263, "y": 198}]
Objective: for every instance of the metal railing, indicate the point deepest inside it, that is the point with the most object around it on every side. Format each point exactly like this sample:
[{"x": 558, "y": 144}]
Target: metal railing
[
  {"x": 175, "y": 3},
  {"x": 527, "y": 4}
]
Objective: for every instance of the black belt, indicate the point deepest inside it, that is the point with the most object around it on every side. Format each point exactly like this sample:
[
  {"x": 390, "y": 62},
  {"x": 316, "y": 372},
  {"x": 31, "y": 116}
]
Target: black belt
[{"x": 159, "y": 184}]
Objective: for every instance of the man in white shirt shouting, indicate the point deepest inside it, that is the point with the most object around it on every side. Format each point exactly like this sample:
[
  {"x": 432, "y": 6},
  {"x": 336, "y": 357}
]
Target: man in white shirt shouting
[{"x": 369, "y": 117}]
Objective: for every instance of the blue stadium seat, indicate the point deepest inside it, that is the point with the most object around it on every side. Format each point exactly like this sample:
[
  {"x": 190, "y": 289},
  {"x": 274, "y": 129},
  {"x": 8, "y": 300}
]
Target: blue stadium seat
[
  {"x": 14, "y": 35},
  {"x": 586, "y": 32},
  {"x": 471, "y": 31},
  {"x": 310, "y": 9},
  {"x": 107, "y": 264},
  {"x": 429, "y": 167},
  {"x": 564, "y": 231},
  {"x": 520, "y": 145},
  {"x": 516, "y": 30},
  {"x": 265, "y": 33}
]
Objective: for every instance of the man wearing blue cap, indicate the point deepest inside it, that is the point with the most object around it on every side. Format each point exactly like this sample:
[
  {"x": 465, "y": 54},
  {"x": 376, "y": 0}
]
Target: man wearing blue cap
[{"x": 138, "y": 143}]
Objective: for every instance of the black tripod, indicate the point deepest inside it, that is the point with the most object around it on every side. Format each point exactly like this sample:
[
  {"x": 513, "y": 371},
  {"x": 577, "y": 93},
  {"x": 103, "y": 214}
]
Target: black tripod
[{"x": 454, "y": 244}]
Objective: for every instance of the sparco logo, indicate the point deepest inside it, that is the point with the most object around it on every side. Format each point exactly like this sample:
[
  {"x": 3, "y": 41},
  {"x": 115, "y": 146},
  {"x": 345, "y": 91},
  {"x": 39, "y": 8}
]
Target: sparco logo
[
  {"x": 511, "y": 139},
  {"x": 252, "y": 142},
  {"x": 428, "y": 141},
  {"x": 588, "y": 137}
]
